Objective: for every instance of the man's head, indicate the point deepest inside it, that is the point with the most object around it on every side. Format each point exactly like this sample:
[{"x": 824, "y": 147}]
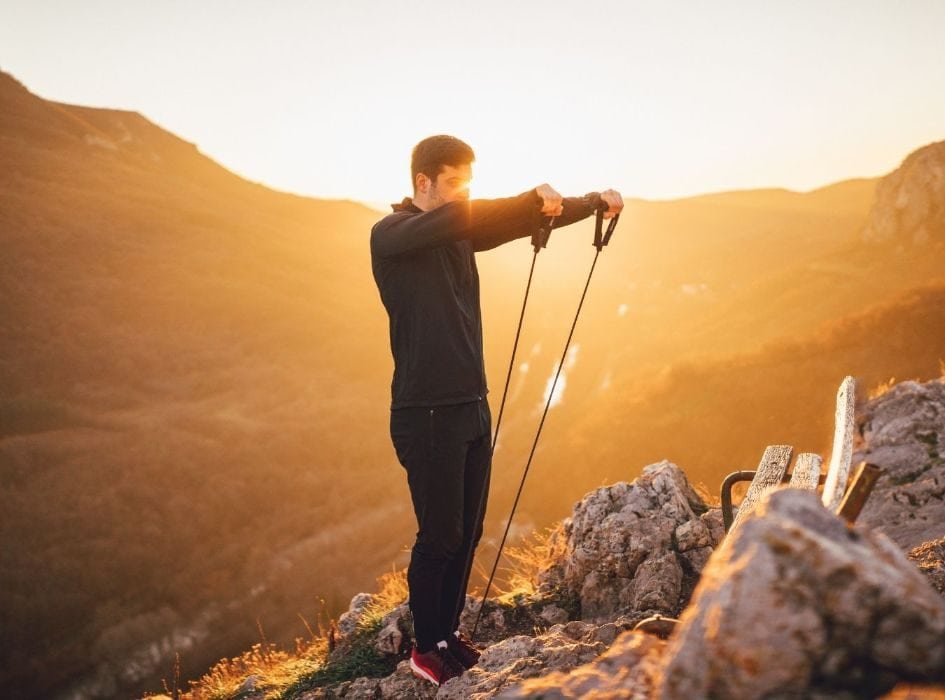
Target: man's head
[{"x": 441, "y": 168}]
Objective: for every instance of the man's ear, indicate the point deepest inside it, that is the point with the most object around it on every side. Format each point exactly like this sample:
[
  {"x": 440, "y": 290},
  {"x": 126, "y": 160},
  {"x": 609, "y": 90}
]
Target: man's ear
[{"x": 422, "y": 183}]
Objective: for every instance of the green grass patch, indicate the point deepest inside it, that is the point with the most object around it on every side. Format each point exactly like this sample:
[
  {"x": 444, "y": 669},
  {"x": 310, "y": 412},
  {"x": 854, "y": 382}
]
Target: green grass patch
[{"x": 356, "y": 658}]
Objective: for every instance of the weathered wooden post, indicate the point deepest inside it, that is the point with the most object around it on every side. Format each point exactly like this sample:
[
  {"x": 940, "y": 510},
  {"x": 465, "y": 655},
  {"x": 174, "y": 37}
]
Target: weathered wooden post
[
  {"x": 771, "y": 471},
  {"x": 806, "y": 474},
  {"x": 839, "y": 470}
]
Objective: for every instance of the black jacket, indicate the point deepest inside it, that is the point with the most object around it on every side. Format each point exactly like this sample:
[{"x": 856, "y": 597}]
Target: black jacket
[{"x": 425, "y": 270}]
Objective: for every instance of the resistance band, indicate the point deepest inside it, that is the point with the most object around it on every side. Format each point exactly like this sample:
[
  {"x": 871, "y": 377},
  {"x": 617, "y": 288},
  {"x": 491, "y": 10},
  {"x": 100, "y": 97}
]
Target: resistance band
[{"x": 539, "y": 241}]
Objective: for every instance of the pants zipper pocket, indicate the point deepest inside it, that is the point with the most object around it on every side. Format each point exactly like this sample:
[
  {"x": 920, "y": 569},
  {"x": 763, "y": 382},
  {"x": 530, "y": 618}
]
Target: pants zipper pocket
[{"x": 431, "y": 431}]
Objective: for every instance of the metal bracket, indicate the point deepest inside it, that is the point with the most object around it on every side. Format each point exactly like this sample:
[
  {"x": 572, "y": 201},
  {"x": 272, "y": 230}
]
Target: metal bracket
[{"x": 732, "y": 479}]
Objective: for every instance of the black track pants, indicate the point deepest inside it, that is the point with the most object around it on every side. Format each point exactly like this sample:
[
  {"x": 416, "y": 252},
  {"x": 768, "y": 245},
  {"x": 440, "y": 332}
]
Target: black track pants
[{"x": 447, "y": 453}]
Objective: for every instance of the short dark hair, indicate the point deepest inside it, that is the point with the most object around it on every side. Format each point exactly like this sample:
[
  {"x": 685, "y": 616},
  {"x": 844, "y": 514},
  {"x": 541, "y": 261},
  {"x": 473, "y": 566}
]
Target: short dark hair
[{"x": 430, "y": 155}]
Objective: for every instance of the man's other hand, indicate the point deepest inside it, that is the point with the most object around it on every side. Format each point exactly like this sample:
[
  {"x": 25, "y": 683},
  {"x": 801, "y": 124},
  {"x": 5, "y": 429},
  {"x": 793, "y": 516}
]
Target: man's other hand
[
  {"x": 614, "y": 203},
  {"x": 551, "y": 200}
]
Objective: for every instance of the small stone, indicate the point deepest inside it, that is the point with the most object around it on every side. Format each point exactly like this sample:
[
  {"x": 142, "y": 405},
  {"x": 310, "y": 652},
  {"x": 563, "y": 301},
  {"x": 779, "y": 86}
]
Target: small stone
[
  {"x": 348, "y": 622},
  {"x": 248, "y": 685},
  {"x": 697, "y": 558},
  {"x": 606, "y": 634},
  {"x": 658, "y": 584},
  {"x": 400, "y": 684},
  {"x": 576, "y": 629},
  {"x": 497, "y": 619},
  {"x": 715, "y": 524},
  {"x": 390, "y": 640},
  {"x": 553, "y": 615},
  {"x": 692, "y": 534}
]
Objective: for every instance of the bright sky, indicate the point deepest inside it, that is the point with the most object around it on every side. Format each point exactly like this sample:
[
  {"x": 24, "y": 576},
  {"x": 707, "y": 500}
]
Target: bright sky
[{"x": 659, "y": 99}]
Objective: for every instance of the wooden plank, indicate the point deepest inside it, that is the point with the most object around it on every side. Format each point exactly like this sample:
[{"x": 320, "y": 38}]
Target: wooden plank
[
  {"x": 771, "y": 471},
  {"x": 839, "y": 470},
  {"x": 806, "y": 474},
  {"x": 861, "y": 486}
]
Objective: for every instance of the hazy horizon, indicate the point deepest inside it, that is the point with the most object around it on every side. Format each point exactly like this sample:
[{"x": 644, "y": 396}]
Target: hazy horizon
[{"x": 661, "y": 102}]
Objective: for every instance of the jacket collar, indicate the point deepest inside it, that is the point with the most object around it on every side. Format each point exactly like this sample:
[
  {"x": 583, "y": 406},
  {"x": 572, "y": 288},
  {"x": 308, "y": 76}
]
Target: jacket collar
[{"x": 406, "y": 205}]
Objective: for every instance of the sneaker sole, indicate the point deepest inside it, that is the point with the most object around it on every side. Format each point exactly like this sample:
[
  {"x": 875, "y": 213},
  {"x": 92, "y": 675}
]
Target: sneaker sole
[{"x": 420, "y": 672}]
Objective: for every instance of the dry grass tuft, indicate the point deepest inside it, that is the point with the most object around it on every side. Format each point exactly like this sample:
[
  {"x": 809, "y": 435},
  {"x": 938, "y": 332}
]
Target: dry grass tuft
[
  {"x": 881, "y": 388},
  {"x": 275, "y": 670},
  {"x": 712, "y": 500},
  {"x": 525, "y": 562},
  {"x": 392, "y": 594}
]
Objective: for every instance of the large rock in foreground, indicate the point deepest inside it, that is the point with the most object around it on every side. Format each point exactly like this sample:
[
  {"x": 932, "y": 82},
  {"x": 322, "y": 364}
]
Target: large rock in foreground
[{"x": 796, "y": 603}]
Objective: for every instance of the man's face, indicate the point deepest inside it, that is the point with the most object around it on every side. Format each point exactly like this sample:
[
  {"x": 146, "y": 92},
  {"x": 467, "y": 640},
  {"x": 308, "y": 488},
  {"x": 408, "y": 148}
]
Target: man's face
[{"x": 451, "y": 185}]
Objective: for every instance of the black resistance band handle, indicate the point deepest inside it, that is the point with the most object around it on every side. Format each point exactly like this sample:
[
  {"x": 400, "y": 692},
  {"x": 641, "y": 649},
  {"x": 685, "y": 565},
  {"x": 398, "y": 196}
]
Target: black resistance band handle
[
  {"x": 602, "y": 238},
  {"x": 541, "y": 236}
]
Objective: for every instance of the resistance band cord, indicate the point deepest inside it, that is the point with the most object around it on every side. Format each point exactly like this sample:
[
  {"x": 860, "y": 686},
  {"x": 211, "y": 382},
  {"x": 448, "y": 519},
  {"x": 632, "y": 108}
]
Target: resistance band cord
[{"x": 539, "y": 241}]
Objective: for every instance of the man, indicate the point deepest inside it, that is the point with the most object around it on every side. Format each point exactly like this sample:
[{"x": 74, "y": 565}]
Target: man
[{"x": 423, "y": 261}]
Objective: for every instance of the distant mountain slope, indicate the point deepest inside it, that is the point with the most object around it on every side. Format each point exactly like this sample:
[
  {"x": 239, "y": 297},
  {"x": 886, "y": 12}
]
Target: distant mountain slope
[
  {"x": 705, "y": 276},
  {"x": 123, "y": 221},
  {"x": 700, "y": 280},
  {"x": 194, "y": 380}
]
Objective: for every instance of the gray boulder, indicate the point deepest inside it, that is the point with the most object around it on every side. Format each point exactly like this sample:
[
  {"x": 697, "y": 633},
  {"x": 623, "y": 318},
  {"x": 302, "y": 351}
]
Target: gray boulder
[
  {"x": 631, "y": 547},
  {"x": 903, "y": 431},
  {"x": 796, "y": 603}
]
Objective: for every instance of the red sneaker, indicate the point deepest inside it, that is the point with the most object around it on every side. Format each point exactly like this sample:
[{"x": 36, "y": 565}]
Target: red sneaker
[
  {"x": 436, "y": 666},
  {"x": 463, "y": 650}
]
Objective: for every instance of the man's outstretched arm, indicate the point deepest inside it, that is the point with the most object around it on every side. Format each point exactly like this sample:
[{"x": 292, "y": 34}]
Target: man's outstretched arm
[
  {"x": 566, "y": 210},
  {"x": 477, "y": 219},
  {"x": 486, "y": 222}
]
